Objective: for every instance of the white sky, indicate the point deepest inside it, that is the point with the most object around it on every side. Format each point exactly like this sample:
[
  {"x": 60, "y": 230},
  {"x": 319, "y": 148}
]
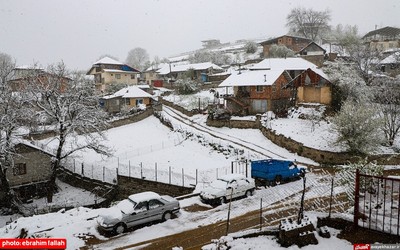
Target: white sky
[{"x": 79, "y": 31}]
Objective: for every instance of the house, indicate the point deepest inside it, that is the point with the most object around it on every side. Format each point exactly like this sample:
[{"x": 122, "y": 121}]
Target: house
[
  {"x": 257, "y": 91},
  {"x": 24, "y": 75},
  {"x": 125, "y": 99},
  {"x": 151, "y": 76},
  {"x": 31, "y": 170},
  {"x": 108, "y": 71},
  {"x": 383, "y": 39},
  {"x": 313, "y": 53},
  {"x": 291, "y": 42},
  {"x": 312, "y": 86},
  {"x": 274, "y": 83},
  {"x": 391, "y": 64},
  {"x": 196, "y": 71}
]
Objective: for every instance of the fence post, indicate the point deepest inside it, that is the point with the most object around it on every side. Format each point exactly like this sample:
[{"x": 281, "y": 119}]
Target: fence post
[
  {"x": 247, "y": 165},
  {"x": 169, "y": 174},
  {"x": 104, "y": 169},
  {"x": 83, "y": 172},
  {"x": 330, "y": 199},
  {"x": 183, "y": 178},
  {"x": 141, "y": 170},
  {"x": 74, "y": 166},
  {"x": 156, "y": 170},
  {"x": 92, "y": 171},
  {"x": 129, "y": 165},
  {"x": 231, "y": 167},
  {"x": 196, "y": 175},
  {"x": 356, "y": 199}
]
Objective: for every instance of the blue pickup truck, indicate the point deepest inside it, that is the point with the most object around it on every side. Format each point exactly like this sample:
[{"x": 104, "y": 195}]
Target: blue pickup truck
[{"x": 271, "y": 172}]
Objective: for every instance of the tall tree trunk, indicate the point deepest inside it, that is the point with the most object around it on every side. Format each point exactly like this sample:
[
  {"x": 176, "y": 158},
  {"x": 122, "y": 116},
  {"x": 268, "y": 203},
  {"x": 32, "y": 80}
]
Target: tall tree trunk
[
  {"x": 56, "y": 164},
  {"x": 5, "y": 187}
]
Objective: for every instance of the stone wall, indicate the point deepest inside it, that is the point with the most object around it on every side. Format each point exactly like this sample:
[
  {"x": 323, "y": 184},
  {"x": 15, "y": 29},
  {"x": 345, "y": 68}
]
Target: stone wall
[
  {"x": 102, "y": 189},
  {"x": 233, "y": 123},
  {"x": 132, "y": 119},
  {"x": 179, "y": 108},
  {"x": 129, "y": 185}
]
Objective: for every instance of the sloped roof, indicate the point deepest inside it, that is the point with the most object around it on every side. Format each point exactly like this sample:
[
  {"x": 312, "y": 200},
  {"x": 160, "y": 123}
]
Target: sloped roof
[
  {"x": 308, "y": 45},
  {"x": 108, "y": 60},
  {"x": 386, "y": 31},
  {"x": 181, "y": 68},
  {"x": 129, "y": 92},
  {"x": 393, "y": 58},
  {"x": 275, "y": 40},
  {"x": 252, "y": 78},
  {"x": 291, "y": 63}
]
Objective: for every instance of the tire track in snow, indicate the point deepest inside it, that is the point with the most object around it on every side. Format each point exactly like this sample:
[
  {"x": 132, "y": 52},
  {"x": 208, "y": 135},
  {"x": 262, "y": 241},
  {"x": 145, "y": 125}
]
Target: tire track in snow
[{"x": 219, "y": 135}]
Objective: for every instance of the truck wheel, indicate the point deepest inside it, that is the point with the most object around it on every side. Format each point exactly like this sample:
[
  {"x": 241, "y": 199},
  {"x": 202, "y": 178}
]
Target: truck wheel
[{"x": 278, "y": 179}]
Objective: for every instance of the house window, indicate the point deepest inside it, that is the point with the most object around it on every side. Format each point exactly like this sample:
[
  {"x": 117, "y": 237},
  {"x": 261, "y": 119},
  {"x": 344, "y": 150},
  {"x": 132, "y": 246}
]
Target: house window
[
  {"x": 139, "y": 101},
  {"x": 259, "y": 88},
  {"x": 132, "y": 76},
  {"x": 19, "y": 169},
  {"x": 118, "y": 76},
  {"x": 273, "y": 88},
  {"x": 128, "y": 101}
]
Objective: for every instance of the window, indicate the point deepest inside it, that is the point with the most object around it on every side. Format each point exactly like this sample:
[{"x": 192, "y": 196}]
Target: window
[
  {"x": 141, "y": 207},
  {"x": 155, "y": 204},
  {"x": 19, "y": 169},
  {"x": 128, "y": 101},
  {"x": 118, "y": 76},
  {"x": 133, "y": 76},
  {"x": 259, "y": 88},
  {"x": 139, "y": 101}
]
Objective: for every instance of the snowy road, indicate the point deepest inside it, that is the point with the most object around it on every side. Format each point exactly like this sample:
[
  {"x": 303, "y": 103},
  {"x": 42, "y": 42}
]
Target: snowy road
[{"x": 264, "y": 148}]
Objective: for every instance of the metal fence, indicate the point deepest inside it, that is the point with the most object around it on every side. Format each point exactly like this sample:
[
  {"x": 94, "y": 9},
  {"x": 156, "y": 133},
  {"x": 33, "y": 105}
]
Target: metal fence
[
  {"x": 159, "y": 172},
  {"x": 377, "y": 202}
]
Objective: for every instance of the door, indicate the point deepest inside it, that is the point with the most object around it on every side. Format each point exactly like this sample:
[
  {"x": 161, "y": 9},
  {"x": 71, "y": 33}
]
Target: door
[
  {"x": 259, "y": 106},
  {"x": 156, "y": 209},
  {"x": 139, "y": 215}
]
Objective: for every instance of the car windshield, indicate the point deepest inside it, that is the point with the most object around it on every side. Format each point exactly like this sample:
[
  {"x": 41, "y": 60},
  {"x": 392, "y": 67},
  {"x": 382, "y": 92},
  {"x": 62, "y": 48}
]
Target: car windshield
[
  {"x": 221, "y": 184},
  {"x": 126, "y": 206}
]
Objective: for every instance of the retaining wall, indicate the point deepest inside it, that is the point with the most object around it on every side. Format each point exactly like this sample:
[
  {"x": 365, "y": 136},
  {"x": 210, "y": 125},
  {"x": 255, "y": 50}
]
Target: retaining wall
[{"x": 129, "y": 185}]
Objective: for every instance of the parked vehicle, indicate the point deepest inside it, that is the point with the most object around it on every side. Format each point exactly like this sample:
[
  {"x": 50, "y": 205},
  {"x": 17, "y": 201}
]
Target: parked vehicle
[
  {"x": 272, "y": 172},
  {"x": 138, "y": 209},
  {"x": 220, "y": 190}
]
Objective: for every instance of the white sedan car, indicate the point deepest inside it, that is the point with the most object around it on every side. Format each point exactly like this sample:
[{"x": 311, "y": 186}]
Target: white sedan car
[{"x": 220, "y": 190}]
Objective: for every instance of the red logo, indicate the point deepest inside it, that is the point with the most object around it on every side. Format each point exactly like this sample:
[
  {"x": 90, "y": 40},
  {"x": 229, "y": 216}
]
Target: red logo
[{"x": 361, "y": 247}]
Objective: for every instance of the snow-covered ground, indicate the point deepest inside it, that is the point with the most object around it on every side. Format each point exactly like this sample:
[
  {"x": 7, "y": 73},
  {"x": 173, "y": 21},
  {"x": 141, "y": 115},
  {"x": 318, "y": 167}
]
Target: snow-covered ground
[{"x": 190, "y": 102}]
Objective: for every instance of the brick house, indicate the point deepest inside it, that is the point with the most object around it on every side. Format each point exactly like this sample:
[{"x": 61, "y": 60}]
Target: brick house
[
  {"x": 271, "y": 84},
  {"x": 313, "y": 53},
  {"x": 108, "y": 71},
  {"x": 292, "y": 42},
  {"x": 30, "y": 172}
]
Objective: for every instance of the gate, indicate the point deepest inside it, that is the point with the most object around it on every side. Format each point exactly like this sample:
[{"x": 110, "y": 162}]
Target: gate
[{"x": 376, "y": 203}]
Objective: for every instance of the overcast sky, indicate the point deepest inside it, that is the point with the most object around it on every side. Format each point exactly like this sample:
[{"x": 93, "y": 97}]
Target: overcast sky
[{"x": 80, "y": 31}]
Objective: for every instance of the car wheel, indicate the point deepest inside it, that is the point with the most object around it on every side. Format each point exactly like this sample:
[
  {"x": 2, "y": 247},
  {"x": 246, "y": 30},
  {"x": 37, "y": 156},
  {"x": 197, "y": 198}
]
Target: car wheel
[
  {"x": 119, "y": 228},
  {"x": 167, "y": 216},
  {"x": 248, "y": 193},
  {"x": 278, "y": 179}
]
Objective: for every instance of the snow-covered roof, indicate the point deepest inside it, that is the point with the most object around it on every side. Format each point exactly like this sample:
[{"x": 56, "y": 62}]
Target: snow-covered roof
[
  {"x": 394, "y": 58},
  {"x": 145, "y": 196},
  {"x": 231, "y": 177},
  {"x": 181, "y": 68},
  {"x": 252, "y": 78},
  {"x": 157, "y": 67},
  {"x": 108, "y": 60},
  {"x": 291, "y": 63},
  {"x": 128, "y": 92}
]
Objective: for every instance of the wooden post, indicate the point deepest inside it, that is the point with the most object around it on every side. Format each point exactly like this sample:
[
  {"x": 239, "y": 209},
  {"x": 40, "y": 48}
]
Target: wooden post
[
  {"x": 141, "y": 171},
  {"x": 231, "y": 167},
  {"x": 356, "y": 199},
  {"x": 261, "y": 214},
  {"x": 183, "y": 178},
  {"x": 156, "y": 170},
  {"x": 169, "y": 174},
  {"x": 196, "y": 175},
  {"x": 229, "y": 212},
  {"x": 129, "y": 166},
  {"x": 104, "y": 170},
  {"x": 330, "y": 199}
]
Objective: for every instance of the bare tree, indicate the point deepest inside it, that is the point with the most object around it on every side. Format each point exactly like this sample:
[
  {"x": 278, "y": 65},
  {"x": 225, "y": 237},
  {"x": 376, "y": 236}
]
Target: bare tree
[
  {"x": 388, "y": 96},
  {"x": 7, "y": 65},
  {"x": 137, "y": 58},
  {"x": 308, "y": 22},
  {"x": 71, "y": 102}
]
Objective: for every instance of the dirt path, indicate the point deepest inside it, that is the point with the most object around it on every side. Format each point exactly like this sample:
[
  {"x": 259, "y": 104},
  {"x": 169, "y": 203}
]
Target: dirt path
[{"x": 271, "y": 216}]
